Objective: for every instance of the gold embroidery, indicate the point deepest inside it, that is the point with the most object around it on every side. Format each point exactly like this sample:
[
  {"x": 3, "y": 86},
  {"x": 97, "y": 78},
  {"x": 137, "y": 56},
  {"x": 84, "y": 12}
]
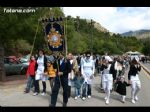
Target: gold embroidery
[{"x": 54, "y": 38}]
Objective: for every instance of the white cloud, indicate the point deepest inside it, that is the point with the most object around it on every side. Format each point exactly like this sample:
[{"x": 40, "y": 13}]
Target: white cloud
[{"x": 115, "y": 19}]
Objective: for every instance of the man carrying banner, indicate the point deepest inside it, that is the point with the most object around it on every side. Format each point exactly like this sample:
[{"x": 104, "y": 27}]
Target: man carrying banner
[{"x": 63, "y": 69}]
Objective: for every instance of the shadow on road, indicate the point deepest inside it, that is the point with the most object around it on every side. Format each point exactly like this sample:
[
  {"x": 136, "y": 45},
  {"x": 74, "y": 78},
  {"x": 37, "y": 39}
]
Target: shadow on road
[
  {"x": 98, "y": 89},
  {"x": 117, "y": 97},
  {"x": 98, "y": 97}
]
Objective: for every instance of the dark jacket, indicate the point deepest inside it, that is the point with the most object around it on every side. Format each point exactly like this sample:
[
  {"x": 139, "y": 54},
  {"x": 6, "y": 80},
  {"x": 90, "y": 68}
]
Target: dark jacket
[
  {"x": 113, "y": 71},
  {"x": 121, "y": 87},
  {"x": 133, "y": 71},
  {"x": 103, "y": 67},
  {"x": 65, "y": 67},
  {"x": 45, "y": 64}
]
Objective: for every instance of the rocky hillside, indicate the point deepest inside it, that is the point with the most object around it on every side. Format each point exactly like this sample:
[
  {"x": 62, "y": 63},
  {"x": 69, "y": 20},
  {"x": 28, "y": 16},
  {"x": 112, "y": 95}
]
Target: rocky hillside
[
  {"x": 139, "y": 34},
  {"x": 98, "y": 26}
]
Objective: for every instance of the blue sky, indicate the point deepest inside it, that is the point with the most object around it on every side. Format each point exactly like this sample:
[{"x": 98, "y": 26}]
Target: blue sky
[{"x": 115, "y": 19}]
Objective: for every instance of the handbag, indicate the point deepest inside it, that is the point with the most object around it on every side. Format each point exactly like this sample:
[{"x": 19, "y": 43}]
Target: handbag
[{"x": 72, "y": 75}]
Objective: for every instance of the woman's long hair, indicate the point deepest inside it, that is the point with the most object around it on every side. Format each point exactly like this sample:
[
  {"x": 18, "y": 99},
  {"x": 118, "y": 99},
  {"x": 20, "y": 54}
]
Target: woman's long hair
[{"x": 134, "y": 61}]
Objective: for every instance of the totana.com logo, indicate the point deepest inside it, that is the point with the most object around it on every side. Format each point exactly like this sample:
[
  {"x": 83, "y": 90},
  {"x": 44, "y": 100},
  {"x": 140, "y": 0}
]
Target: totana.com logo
[{"x": 19, "y": 10}]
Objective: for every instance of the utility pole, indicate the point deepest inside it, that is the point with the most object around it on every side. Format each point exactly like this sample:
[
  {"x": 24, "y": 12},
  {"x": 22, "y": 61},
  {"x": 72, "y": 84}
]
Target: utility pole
[
  {"x": 92, "y": 36},
  {"x": 76, "y": 23}
]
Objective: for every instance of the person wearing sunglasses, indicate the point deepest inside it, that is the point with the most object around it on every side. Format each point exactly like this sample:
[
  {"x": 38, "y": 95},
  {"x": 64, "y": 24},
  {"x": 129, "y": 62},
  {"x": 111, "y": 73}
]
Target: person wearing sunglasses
[{"x": 87, "y": 71}]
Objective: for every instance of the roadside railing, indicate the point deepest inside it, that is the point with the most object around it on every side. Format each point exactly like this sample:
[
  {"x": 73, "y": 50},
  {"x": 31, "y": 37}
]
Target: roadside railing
[{"x": 145, "y": 68}]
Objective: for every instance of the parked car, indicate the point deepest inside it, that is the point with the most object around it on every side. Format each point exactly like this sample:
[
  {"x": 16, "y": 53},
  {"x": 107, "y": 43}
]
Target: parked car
[
  {"x": 14, "y": 67},
  {"x": 25, "y": 59},
  {"x": 50, "y": 58}
]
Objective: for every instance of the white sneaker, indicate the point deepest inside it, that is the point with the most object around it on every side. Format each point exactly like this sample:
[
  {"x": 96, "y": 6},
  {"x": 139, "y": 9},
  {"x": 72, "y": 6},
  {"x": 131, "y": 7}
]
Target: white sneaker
[
  {"x": 83, "y": 98},
  {"x": 76, "y": 98},
  {"x": 89, "y": 96},
  {"x": 34, "y": 94},
  {"x": 105, "y": 98},
  {"x": 123, "y": 101},
  {"x": 107, "y": 101},
  {"x": 43, "y": 94},
  {"x": 133, "y": 101},
  {"x": 136, "y": 98}
]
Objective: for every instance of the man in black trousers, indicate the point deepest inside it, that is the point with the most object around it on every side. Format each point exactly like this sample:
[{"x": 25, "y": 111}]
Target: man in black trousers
[{"x": 63, "y": 69}]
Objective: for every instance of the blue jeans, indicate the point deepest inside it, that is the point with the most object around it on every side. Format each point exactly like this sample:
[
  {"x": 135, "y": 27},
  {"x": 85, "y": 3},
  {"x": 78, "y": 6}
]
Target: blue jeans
[
  {"x": 30, "y": 82},
  {"x": 77, "y": 91},
  {"x": 86, "y": 89}
]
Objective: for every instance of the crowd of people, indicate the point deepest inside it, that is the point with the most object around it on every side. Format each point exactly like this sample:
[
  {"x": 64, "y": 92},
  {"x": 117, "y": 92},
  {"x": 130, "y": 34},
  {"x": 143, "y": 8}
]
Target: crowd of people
[{"x": 78, "y": 73}]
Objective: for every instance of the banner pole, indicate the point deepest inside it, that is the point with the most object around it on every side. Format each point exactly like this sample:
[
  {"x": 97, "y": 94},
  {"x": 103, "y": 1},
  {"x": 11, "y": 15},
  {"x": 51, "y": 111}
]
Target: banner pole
[{"x": 66, "y": 48}]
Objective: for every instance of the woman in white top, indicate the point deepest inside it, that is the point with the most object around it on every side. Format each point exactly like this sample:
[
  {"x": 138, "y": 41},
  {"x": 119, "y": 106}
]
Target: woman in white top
[
  {"x": 107, "y": 78},
  {"x": 87, "y": 70},
  {"x": 133, "y": 78},
  {"x": 41, "y": 68}
]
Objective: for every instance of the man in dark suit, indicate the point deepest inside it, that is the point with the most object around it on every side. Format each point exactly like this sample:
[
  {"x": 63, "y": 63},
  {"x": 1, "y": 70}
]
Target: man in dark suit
[{"x": 63, "y": 69}]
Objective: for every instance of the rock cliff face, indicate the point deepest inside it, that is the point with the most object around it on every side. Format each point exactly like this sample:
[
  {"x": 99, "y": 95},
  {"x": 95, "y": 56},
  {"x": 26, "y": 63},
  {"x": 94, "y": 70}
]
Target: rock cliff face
[
  {"x": 98, "y": 26},
  {"x": 139, "y": 34}
]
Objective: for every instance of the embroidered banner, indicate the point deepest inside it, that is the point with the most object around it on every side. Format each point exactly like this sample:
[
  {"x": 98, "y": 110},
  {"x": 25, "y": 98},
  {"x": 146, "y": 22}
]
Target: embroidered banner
[{"x": 55, "y": 34}]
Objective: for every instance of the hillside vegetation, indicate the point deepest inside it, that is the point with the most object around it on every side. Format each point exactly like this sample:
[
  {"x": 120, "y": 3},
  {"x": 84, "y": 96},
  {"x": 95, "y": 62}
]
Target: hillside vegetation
[{"x": 17, "y": 32}]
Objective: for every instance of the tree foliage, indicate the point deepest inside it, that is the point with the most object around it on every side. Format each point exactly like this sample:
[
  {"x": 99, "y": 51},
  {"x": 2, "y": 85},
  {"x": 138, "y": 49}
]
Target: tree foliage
[
  {"x": 81, "y": 36},
  {"x": 146, "y": 48}
]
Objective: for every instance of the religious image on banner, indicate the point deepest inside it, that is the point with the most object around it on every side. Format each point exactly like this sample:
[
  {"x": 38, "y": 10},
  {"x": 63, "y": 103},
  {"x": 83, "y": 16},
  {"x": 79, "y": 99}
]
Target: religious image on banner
[{"x": 55, "y": 36}]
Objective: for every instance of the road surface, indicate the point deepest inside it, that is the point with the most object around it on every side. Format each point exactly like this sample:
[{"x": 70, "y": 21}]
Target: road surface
[{"x": 14, "y": 96}]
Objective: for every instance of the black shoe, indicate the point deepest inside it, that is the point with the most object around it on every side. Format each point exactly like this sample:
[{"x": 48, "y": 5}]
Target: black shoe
[
  {"x": 51, "y": 105},
  {"x": 64, "y": 104},
  {"x": 111, "y": 91},
  {"x": 102, "y": 90},
  {"x": 26, "y": 91}
]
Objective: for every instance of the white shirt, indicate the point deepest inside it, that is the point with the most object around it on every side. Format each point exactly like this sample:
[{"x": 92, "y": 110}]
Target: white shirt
[
  {"x": 61, "y": 60},
  {"x": 71, "y": 76},
  {"x": 40, "y": 63},
  {"x": 135, "y": 78},
  {"x": 82, "y": 60},
  {"x": 106, "y": 71},
  {"x": 87, "y": 70},
  {"x": 106, "y": 75},
  {"x": 40, "y": 70}
]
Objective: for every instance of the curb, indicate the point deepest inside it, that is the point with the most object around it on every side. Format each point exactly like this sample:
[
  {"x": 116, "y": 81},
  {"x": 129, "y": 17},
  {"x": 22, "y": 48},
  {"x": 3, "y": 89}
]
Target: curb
[
  {"x": 146, "y": 69},
  {"x": 12, "y": 83}
]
